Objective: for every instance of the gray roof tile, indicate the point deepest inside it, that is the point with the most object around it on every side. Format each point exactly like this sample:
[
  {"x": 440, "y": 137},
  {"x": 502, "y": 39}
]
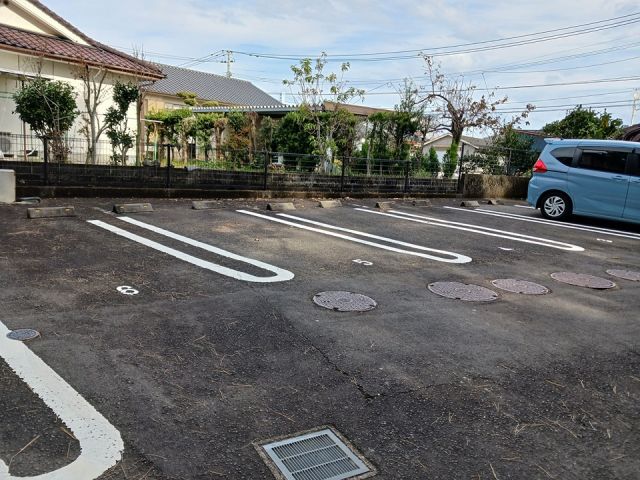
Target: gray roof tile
[{"x": 209, "y": 86}]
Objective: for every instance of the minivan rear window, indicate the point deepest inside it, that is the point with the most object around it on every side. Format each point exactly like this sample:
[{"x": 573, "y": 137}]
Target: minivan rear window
[
  {"x": 611, "y": 161},
  {"x": 564, "y": 155}
]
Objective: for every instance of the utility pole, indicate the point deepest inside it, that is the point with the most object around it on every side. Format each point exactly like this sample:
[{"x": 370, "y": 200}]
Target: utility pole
[
  {"x": 635, "y": 108},
  {"x": 229, "y": 62}
]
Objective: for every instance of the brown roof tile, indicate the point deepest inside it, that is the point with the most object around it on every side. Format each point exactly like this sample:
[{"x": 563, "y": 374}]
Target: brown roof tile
[{"x": 57, "y": 48}]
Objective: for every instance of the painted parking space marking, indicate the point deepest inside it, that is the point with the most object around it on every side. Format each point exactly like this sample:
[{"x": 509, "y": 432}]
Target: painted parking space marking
[
  {"x": 544, "y": 221},
  {"x": 449, "y": 257},
  {"x": 101, "y": 445},
  {"x": 366, "y": 263},
  {"x": 492, "y": 232},
  {"x": 281, "y": 275},
  {"x": 127, "y": 290}
]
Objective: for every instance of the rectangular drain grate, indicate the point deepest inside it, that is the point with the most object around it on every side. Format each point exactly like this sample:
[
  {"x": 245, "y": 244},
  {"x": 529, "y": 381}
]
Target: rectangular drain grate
[{"x": 319, "y": 455}]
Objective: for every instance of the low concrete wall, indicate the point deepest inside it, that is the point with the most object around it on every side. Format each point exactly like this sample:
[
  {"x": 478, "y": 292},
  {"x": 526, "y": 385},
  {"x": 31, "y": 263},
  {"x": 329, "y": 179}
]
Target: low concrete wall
[
  {"x": 72, "y": 177},
  {"x": 495, "y": 186}
]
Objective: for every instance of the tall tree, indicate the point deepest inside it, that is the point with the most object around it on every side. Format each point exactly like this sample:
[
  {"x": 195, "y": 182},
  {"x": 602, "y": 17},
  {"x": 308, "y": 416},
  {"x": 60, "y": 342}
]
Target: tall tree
[
  {"x": 117, "y": 121},
  {"x": 585, "y": 123},
  {"x": 49, "y": 107},
  {"x": 314, "y": 86},
  {"x": 406, "y": 119},
  {"x": 432, "y": 164},
  {"x": 458, "y": 107},
  {"x": 93, "y": 95}
]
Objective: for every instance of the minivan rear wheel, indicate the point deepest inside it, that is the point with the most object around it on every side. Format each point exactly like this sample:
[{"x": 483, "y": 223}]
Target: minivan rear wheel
[{"x": 555, "y": 206}]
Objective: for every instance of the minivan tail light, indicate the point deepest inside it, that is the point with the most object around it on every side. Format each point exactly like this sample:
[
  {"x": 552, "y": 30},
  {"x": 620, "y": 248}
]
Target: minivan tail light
[{"x": 539, "y": 167}]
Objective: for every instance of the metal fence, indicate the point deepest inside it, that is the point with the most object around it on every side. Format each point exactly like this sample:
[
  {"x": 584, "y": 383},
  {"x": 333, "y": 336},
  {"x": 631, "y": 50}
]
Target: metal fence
[
  {"x": 187, "y": 167},
  {"x": 494, "y": 160}
]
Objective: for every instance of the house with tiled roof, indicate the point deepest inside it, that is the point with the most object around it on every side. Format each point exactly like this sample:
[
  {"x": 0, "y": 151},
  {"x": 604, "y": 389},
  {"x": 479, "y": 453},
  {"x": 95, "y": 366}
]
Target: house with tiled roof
[
  {"x": 207, "y": 87},
  {"x": 36, "y": 41}
]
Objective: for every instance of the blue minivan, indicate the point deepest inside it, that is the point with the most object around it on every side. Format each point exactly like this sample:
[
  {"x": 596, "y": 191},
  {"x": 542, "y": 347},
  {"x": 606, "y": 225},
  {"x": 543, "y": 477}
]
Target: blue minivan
[{"x": 596, "y": 178}]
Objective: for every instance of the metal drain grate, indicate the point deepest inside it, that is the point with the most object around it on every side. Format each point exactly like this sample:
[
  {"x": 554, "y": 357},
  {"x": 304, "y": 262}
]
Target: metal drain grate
[{"x": 319, "y": 455}]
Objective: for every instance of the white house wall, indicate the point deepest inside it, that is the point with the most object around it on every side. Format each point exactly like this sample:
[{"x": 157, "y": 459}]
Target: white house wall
[{"x": 55, "y": 70}]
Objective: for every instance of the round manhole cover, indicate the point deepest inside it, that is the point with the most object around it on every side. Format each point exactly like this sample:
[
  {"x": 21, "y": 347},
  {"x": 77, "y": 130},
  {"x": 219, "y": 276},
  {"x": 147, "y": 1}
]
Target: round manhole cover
[
  {"x": 344, "y": 301},
  {"x": 23, "y": 334},
  {"x": 583, "y": 280},
  {"x": 625, "y": 274},
  {"x": 463, "y": 291},
  {"x": 520, "y": 286}
]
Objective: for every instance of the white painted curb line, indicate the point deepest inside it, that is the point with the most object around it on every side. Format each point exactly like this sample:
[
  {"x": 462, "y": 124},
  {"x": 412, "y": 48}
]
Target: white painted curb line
[
  {"x": 555, "y": 223},
  {"x": 101, "y": 446},
  {"x": 456, "y": 257},
  {"x": 280, "y": 274},
  {"x": 492, "y": 232}
]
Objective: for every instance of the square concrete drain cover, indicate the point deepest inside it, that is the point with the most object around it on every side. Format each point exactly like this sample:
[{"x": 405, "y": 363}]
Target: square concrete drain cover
[{"x": 318, "y": 455}]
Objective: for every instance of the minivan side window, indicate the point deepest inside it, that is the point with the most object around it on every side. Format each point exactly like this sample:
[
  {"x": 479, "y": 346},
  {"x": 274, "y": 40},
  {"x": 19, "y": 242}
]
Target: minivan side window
[
  {"x": 564, "y": 155},
  {"x": 612, "y": 161}
]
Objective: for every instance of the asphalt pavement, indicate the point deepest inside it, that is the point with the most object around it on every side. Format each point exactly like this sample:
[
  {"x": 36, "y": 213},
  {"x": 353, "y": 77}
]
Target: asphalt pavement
[{"x": 194, "y": 336}]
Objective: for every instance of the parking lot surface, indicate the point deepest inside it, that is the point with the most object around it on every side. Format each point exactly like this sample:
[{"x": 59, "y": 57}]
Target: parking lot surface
[{"x": 192, "y": 335}]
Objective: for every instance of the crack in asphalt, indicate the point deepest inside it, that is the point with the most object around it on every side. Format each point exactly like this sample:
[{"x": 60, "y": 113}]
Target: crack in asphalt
[{"x": 362, "y": 390}]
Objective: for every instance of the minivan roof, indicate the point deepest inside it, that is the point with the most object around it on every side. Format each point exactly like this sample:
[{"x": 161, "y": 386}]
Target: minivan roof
[{"x": 592, "y": 142}]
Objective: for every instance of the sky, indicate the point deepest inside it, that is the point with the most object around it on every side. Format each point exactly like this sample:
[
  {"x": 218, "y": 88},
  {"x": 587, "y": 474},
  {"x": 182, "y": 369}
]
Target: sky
[{"x": 179, "y": 33}]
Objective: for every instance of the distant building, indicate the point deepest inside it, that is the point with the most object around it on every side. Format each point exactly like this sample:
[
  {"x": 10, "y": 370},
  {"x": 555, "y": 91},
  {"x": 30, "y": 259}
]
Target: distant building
[
  {"x": 537, "y": 136},
  {"x": 632, "y": 133},
  {"x": 207, "y": 87},
  {"x": 442, "y": 143}
]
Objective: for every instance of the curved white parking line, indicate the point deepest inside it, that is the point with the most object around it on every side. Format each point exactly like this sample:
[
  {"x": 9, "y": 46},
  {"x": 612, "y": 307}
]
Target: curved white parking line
[
  {"x": 455, "y": 257},
  {"x": 492, "y": 232},
  {"x": 281, "y": 275},
  {"x": 555, "y": 223},
  {"x": 101, "y": 446}
]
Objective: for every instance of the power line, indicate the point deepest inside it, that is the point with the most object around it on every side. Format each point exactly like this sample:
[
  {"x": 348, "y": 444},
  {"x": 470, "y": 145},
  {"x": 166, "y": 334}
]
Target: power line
[
  {"x": 564, "y": 109},
  {"x": 551, "y": 60},
  {"x": 524, "y": 40},
  {"x": 206, "y": 58},
  {"x": 498, "y": 69},
  {"x": 559, "y": 84}
]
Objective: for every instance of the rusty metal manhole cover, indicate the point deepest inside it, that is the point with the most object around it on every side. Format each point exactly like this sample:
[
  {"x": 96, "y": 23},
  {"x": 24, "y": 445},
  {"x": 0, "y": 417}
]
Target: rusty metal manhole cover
[
  {"x": 23, "y": 334},
  {"x": 520, "y": 286},
  {"x": 344, "y": 301},
  {"x": 625, "y": 274},
  {"x": 583, "y": 280},
  {"x": 463, "y": 291}
]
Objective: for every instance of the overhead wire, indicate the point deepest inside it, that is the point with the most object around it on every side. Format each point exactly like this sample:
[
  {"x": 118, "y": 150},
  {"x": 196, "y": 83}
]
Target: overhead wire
[{"x": 598, "y": 26}]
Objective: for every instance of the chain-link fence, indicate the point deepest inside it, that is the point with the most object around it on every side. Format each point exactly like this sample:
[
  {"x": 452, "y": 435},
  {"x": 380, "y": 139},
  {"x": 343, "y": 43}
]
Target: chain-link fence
[{"x": 494, "y": 160}]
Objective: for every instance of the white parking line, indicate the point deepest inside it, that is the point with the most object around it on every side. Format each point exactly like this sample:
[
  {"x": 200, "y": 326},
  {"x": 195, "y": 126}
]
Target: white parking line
[
  {"x": 525, "y": 206},
  {"x": 492, "y": 232},
  {"x": 555, "y": 223},
  {"x": 280, "y": 274},
  {"x": 101, "y": 446},
  {"x": 455, "y": 257}
]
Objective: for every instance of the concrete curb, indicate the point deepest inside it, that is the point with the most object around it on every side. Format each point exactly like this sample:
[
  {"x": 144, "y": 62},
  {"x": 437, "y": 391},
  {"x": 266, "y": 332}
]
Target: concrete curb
[{"x": 51, "y": 212}]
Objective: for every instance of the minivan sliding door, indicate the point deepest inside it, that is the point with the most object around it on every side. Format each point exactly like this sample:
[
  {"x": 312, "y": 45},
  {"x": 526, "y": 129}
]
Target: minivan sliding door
[
  {"x": 632, "y": 206},
  {"x": 598, "y": 182}
]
